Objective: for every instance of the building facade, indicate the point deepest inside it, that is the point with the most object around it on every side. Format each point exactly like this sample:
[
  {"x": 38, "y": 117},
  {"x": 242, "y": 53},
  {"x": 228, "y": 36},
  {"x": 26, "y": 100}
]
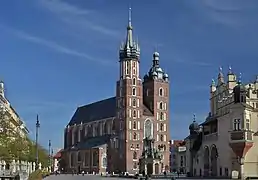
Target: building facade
[
  {"x": 108, "y": 135},
  {"x": 13, "y": 117},
  {"x": 227, "y": 141},
  {"x": 178, "y": 156}
]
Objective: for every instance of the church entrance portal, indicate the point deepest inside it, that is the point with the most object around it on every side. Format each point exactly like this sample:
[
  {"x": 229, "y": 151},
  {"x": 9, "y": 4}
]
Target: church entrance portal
[{"x": 149, "y": 169}]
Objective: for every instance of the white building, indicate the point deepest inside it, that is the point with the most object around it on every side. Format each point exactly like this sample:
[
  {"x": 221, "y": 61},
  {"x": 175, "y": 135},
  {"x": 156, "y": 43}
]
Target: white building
[
  {"x": 15, "y": 118},
  {"x": 227, "y": 140}
]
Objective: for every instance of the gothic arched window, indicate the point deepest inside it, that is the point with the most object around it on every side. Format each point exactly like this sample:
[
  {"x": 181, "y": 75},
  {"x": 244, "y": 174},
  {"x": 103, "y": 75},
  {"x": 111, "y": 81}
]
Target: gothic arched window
[
  {"x": 79, "y": 157},
  {"x": 134, "y": 136},
  {"x": 95, "y": 158},
  {"x": 148, "y": 128},
  {"x": 134, "y": 125},
  {"x": 161, "y": 92},
  {"x": 72, "y": 158},
  {"x": 134, "y": 92},
  {"x": 134, "y": 102},
  {"x": 160, "y": 105},
  {"x": 134, "y": 113},
  {"x": 161, "y": 116},
  {"x": 161, "y": 127},
  {"x": 134, "y": 81},
  {"x": 161, "y": 137},
  {"x": 134, "y": 155}
]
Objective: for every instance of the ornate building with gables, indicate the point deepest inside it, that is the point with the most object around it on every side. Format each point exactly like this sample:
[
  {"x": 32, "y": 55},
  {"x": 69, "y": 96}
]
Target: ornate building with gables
[{"x": 227, "y": 141}]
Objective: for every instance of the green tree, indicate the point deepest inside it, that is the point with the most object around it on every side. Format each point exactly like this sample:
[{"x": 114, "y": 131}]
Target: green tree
[
  {"x": 6, "y": 136},
  {"x": 15, "y": 146}
]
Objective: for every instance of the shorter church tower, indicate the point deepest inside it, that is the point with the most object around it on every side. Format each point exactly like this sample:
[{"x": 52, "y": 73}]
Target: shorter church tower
[{"x": 156, "y": 98}]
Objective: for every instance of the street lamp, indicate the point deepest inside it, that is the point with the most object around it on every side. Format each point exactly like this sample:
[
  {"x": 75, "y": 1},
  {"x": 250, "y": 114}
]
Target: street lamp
[
  {"x": 37, "y": 134},
  {"x": 52, "y": 160},
  {"x": 49, "y": 155}
]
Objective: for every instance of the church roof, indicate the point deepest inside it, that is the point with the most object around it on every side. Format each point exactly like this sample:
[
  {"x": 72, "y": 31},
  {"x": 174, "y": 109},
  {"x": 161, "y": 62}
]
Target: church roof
[
  {"x": 92, "y": 142},
  {"x": 95, "y": 111}
]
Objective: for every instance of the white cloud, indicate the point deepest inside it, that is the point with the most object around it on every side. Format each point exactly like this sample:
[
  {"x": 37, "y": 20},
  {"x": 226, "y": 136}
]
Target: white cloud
[
  {"x": 58, "y": 6},
  {"x": 55, "y": 46},
  {"x": 77, "y": 16}
]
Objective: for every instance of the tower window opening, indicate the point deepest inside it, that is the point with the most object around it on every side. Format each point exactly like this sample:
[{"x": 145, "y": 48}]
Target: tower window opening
[
  {"x": 161, "y": 137},
  {"x": 161, "y": 105},
  {"x": 134, "y": 81},
  {"x": 161, "y": 116},
  {"x": 134, "y": 92},
  {"x": 134, "y": 114},
  {"x": 134, "y": 71},
  {"x": 134, "y": 136},
  {"x": 134, "y": 102},
  {"x": 161, "y": 127},
  {"x": 134, "y": 125},
  {"x": 161, "y": 92},
  {"x": 134, "y": 64}
]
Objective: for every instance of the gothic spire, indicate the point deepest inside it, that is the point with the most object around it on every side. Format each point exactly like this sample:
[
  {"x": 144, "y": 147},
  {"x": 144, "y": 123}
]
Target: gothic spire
[
  {"x": 129, "y": 37},
  {"x": 129, "y": 48}
]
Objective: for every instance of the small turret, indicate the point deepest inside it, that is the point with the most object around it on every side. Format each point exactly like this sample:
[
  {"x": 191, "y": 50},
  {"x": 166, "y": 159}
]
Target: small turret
[
  {"x": 194, "y": 127},
  {"x": 240, "y": 91},
  {"x": 212, "y": 86},
  {"x": 231, "y": 79},
  {"x": 156, "y": 71},
  {"x": 2, "y": 88},
  {"x": 220, "y": 77},
  {"x": 256, "y": 83}
]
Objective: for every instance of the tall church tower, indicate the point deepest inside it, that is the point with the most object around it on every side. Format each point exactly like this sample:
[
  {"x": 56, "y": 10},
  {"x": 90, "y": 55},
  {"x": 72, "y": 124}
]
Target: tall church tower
[
  {"x": 156, "y": 98},
  {"x": 129, "y": 103}
]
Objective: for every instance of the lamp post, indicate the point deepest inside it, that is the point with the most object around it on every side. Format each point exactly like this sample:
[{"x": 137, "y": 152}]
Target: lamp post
[
  {"x": 49, "y": 155},
  {"x": 37, "y": 134},
  {"x": 52, "y": 160}
]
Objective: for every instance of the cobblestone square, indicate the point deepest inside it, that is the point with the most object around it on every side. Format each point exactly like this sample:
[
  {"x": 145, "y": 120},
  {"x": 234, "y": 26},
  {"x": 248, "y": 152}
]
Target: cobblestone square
[{"x": 90, "y": 177}]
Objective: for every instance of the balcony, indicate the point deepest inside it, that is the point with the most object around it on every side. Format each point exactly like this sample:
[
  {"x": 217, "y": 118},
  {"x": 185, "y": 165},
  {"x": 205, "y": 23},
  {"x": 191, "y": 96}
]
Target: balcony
[
  {"x": 211, "y": 137},
  {"x": 241, "y": 136}
]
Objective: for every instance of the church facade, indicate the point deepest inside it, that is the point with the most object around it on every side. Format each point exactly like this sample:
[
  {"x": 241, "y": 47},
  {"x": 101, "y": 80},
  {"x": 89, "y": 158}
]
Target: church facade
[{"x": 108, "y": 135}]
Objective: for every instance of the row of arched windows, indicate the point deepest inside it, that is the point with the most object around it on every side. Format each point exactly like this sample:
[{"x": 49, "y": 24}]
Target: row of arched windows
[
  {"x": 78, "y": 157},
  {"x": 98, "y": 129},
  {"x": 161, "y": 92}
]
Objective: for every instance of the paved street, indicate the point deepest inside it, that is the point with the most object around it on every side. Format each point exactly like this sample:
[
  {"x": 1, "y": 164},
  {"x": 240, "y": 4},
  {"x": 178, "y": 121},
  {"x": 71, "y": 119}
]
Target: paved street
[
  {"x": 79, "y": 177},
  {"x": 88, "y": 177}
]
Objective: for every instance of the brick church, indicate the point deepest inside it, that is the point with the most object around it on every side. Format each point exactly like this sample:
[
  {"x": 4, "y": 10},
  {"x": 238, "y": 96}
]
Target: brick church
[{"x": 107, "y": 136}]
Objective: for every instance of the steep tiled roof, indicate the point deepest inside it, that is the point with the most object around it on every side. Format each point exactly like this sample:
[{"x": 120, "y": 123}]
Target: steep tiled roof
[
  {"x": 98, "y": 110},
  {"x": 92, "y": 142},
  {"x": 146, "y": 111}
]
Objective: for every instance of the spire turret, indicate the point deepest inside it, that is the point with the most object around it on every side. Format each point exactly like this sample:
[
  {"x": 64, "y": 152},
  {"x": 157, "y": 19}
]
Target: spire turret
[
  {"x": 130, "y": 48},
  {"x": 2, "y": 88},
  {"x": 220, "y": 76},
  {"x": 239, "y": 79}
]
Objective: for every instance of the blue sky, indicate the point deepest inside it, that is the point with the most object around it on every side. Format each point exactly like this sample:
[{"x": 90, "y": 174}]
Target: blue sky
[{"x": 57, "y": 55}]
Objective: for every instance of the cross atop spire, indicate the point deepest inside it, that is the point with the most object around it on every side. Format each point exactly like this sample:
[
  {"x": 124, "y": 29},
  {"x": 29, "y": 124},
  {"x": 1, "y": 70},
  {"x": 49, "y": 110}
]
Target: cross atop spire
[
  {"x": 194, "y": 117},
  {"x": 130, "y": 17},
  {"x": 240, "y": 78}
]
